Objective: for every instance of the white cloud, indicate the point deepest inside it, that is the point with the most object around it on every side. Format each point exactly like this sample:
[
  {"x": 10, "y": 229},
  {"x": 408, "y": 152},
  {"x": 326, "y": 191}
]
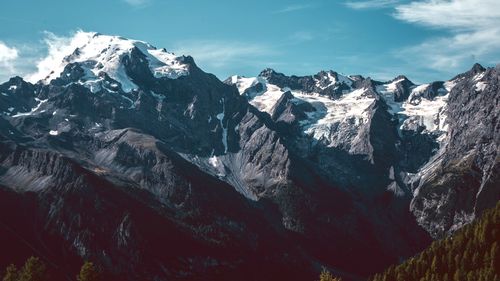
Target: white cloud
[
  {"x": 473, "y": 32},
  {"x": 217, "y": 54},
  {"x": 58, "y": 47},
  {"x": 457, "y": 52},
  {"x": 454, "y": 14},
  {"x": 373, "y": 4},
  {"x": 293, "y": 8},
  {"x": 225, "y": 58},
  {"x": 7, "y": 54},
  {"x": 8, "y": 57}
]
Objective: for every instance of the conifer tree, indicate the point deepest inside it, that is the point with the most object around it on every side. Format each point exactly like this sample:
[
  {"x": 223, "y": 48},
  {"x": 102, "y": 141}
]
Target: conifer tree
[
  {"x": 327, "y": 276},
  {"x": 472, "y": 253},
  {"x": 11, "y": 273},
  {"x": 33, "y": 270},
  {"x": 88, "y": 272}
]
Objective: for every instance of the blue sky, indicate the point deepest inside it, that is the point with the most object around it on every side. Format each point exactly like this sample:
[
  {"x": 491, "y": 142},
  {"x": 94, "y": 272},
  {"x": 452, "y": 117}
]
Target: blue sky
[{"x": 425, "y": 40}]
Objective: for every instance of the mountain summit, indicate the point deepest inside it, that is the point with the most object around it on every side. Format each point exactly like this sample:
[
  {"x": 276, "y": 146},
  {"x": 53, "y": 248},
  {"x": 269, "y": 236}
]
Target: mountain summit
[
  {"x": 136, "y": 159},
  {"x": 98, "y": 54}
]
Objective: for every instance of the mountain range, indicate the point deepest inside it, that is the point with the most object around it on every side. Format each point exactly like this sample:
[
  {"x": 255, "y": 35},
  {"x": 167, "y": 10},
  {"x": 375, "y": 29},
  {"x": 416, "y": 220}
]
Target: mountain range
[{"x": 136, "y": 159}]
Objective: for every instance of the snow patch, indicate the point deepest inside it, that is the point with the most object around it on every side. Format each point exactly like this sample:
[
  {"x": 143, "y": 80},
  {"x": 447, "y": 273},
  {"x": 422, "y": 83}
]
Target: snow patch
[
  {"x": 352, "y": 104},
  {"x": 266, "y": 100},
  {"x": 243, "y": 83},
  {"x": 417, "y": 109},
  {"x": 217, "y": 164},
  {"x": 163, "y": 63},
  {"x": 214, "y": 161},
  {"x": 349, "y": 109},
  {"x": 329, "y": 113},
  {"x": 418, "y": 90},
  {"x": 478, "y": 76},
  {"x": 220, "y": 116},
  {"x": 392, "y": 87},
  {"x": 480, "y": 86},
  {"x": 331, "y": 80},
  {"x": 387, "y": 93},
  {"x": 34, "y": 110},
  {"x": 428, "y": 113},
  {"x": 448, "y": 85}
]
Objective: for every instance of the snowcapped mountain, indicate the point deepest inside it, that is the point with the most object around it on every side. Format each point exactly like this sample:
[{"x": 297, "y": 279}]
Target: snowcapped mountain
[
  {"x": 99, "y": 54},
  {"x": 135, "y": 158},
  {"x": 419, "y": 113},
  {"x": 414, "y": 106}
]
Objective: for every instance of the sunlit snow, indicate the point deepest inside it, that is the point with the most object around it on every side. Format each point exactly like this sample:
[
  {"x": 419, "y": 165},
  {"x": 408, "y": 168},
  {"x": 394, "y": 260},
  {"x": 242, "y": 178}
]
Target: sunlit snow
[
  {"x": 220, "y": 116},
  {"x": 417, "y": 109},
  {"x": 480, "y": 86},
  {"x": 34, "y": 110},
  {"x": 265, "y": 101},
  {"x": 103, "y": 53},
  {"x": 349, "y": 108}
]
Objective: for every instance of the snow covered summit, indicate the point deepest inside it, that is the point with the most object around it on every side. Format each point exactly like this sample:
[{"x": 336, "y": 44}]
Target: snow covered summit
[{"x": 97, "y": 54}]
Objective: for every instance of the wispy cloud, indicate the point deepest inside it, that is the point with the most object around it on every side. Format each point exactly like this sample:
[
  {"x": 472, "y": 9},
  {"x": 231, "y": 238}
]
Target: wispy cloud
[
  {"x": 221, "y": 53},
  {"x": 293, "y": 8},
  {"x": 137, "y": 3},
  {"x": 454, "y": 14},
  {"x": 473, "y": 32},
  {"x": 56, "y": 48},
  {"x": 18, "y": 59},
  {"x": 7, "y": 54},
  {"x": 372, "y": 4},
  {"x": 224, "y": 57},
  {"x": 8, "y": 57}
]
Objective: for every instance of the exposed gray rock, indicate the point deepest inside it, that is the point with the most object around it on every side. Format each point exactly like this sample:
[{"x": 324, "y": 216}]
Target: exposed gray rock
[
  {"x": 462, "y": 181},
  {"x": 182, "y": 178}
]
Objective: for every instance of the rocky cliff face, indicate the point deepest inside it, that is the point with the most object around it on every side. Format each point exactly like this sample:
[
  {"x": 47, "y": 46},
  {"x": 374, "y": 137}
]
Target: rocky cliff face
[
  {"x": 135, "y": 158},
  {"x": 462, "y": 180},
  {"x": 435, "y": 143}
]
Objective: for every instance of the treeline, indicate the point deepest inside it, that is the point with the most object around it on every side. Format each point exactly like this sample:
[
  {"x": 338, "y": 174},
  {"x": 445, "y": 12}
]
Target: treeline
[
  {"x": 35, "y": 269},
  {"x": 471, "y": 254}
]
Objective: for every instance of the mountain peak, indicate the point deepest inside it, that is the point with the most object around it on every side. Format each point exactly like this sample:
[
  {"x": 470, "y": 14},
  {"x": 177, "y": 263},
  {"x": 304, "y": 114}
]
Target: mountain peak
[
  {"x": 268, "y": 72},
  {"x": 402, "y": 78},
  {"x": 105, "y": 53},
  {"x": 476, "y": 68}
]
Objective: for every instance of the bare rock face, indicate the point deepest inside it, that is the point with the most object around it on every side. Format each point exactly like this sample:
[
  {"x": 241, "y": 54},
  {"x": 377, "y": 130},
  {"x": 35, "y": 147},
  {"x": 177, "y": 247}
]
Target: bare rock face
[
  {"x": 462, "y": 180},
  {"x": 435, "y": 142},
  {"x": 157, "y": 170}
]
